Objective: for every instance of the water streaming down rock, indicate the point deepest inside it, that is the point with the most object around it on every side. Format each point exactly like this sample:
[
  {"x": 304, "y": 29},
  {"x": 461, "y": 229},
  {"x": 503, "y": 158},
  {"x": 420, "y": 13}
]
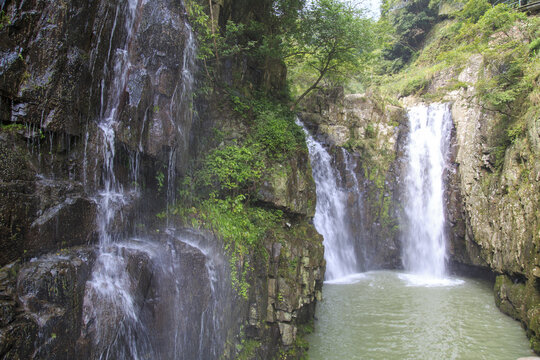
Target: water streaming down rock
[
  {"x": 141, "y": 302},
  {"x": 331, "y": 213},
  {"x": 356, "y": 212},
  {"x": 110, "y": 312},
  {"x": 424, "y": 250},
  {"x": 167, "y": 300}
]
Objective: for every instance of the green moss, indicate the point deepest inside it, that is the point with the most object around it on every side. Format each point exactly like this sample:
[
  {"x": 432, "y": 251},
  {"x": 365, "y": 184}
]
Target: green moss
[
  {"x": 248, "y": 349},
  {"x": 12, "y": 128},
  {"x": 4, "y": 20}
]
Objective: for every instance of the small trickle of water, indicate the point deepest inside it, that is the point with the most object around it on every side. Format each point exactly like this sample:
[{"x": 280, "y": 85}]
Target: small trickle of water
[
  {"x": 424, "y": 250},
  {"x": 331, "y": 213}
]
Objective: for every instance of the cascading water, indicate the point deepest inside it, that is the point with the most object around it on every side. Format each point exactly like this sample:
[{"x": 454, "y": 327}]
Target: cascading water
[
  {"x": 421, "y": 314},
  {"x": 108, "y": 299},
  {"x": 424, "y": 249},
  {"x": 138, "y": 303},
  {"x": 331, "y": 213}
]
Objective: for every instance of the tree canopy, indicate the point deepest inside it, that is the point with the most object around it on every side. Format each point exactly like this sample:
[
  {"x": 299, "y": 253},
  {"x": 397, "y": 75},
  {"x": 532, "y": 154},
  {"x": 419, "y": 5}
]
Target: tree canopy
[{"x": 332, "y": 40}]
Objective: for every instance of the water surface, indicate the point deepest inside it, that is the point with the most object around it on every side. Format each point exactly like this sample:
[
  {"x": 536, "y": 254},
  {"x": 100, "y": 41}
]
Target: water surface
[{"x": 390, "y": 315}]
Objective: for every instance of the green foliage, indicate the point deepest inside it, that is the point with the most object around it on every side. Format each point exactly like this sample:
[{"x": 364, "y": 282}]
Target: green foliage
[
  {"x": 215, "y": 44},
  {"x": 276, "y": 131},
  {"x": 13, "y": 127},
  {"x": 218, "y": 192},
  {"x": 242, "y": 227},
  {"x": 473, "y": 10},
  {"x": 233, "y": 169},
  {"x": 411, "y": 22},
  {"x": 160, "y": 179},
  {"x": 4, "y": 20},
  {"x": 499, "y": 18},
  {"x": 534, "y": 47},
  {"x": 273, "y": 125},
  {"x": 248, "y": 349},
  {"x": 332, "y": 40}
]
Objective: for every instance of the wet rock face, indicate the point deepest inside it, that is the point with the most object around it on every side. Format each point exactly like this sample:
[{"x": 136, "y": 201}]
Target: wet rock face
[
  {"x": 38, "y": 214},
  {"x": 44, "y": 63},
  {"x": 57, "y": 63},
  {"x": 44, "y": 304},
  {"x": 41, "y": 302},
  {"x": 153, "y": 305},
  {"x": 157, "y": 115}
]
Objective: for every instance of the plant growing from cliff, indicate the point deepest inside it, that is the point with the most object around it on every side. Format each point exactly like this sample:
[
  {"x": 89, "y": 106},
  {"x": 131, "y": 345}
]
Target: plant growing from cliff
[
  {"x": 160, "y": 178},
  {"x": 276, "y": 131},
  {"x": 233, "y": 169},
  {"x": 4, "y": 20},
  {"x": 411, "y": 21},
  {"x": 241, "y": 226},
  {"x": 332, "y": 40},
  {"x": 215, "y": 44}
]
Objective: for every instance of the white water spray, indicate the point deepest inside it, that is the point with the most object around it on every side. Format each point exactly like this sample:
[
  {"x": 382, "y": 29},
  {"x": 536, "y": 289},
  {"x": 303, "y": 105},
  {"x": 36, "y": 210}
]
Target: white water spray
[
  {"x": 424, "y": 242},
  {"x": 116, "y": 319},
  {"x": 331, "y": 213}
]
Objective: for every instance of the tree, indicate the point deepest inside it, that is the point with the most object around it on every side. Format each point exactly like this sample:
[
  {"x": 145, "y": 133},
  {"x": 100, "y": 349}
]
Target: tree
[
  {"x": 412, "y": 21},
  {"x": 332, "y": 40}
]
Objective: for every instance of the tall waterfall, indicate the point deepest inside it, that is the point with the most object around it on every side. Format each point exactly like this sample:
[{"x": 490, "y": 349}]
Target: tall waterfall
[
  {"x": 424, "y": 251},
  {"x": 139, "y": 302},
  {"x": 331, "y": 213}
]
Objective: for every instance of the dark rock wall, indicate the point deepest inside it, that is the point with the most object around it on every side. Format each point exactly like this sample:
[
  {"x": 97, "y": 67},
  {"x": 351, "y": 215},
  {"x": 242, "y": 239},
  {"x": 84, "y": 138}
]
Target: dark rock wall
[
  {"x": 56, "y": 68},
  {"x": 57, "y": 63}
]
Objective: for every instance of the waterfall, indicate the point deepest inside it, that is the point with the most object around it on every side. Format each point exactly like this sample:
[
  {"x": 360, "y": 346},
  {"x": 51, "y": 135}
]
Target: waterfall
[
  {"x": 331, "y": 213},
  {"x": 158, "y": 296},
  {"x": 424, "y": 251},
  {"x": 110, "y": 311}
]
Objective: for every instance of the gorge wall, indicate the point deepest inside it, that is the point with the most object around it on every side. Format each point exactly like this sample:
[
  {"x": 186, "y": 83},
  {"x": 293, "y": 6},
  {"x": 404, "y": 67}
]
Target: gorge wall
[
  {"x": 492, "y": 183},
  {"x": 57, "y": 68},
  {"x": 365, "y": 136}
]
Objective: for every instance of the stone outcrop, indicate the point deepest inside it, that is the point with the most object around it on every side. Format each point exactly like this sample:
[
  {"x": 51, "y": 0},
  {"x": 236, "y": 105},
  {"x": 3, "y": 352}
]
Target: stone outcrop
[
  {"x": 290, "y": 186},
  {"x": 41, "y": 304},
  {"x": 285, "y": 286}
]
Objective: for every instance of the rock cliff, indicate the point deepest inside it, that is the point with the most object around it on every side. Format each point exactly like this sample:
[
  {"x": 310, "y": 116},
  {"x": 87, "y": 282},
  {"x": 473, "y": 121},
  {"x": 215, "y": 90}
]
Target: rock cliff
[
  {"x": 498, "y": 198},
  {"x": 365, "y": 136},
  {"x": 58, "y": 65}
]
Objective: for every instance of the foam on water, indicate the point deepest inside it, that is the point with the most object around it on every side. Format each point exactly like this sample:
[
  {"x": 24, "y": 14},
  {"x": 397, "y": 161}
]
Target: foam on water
[
  {"x": 429, "y": 281},
  {"x": 348, "y": 279}
]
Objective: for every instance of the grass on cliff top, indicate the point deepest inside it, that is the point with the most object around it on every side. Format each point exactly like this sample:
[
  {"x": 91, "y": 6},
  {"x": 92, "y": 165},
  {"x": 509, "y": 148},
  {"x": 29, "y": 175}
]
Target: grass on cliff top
[
  {"x": 506, "y": 43},
  {"x": 507, "y": 40}
]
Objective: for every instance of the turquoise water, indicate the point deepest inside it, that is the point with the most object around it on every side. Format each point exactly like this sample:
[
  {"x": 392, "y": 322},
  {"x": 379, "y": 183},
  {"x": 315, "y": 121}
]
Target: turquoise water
[{"x": 390, "y": 315}]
